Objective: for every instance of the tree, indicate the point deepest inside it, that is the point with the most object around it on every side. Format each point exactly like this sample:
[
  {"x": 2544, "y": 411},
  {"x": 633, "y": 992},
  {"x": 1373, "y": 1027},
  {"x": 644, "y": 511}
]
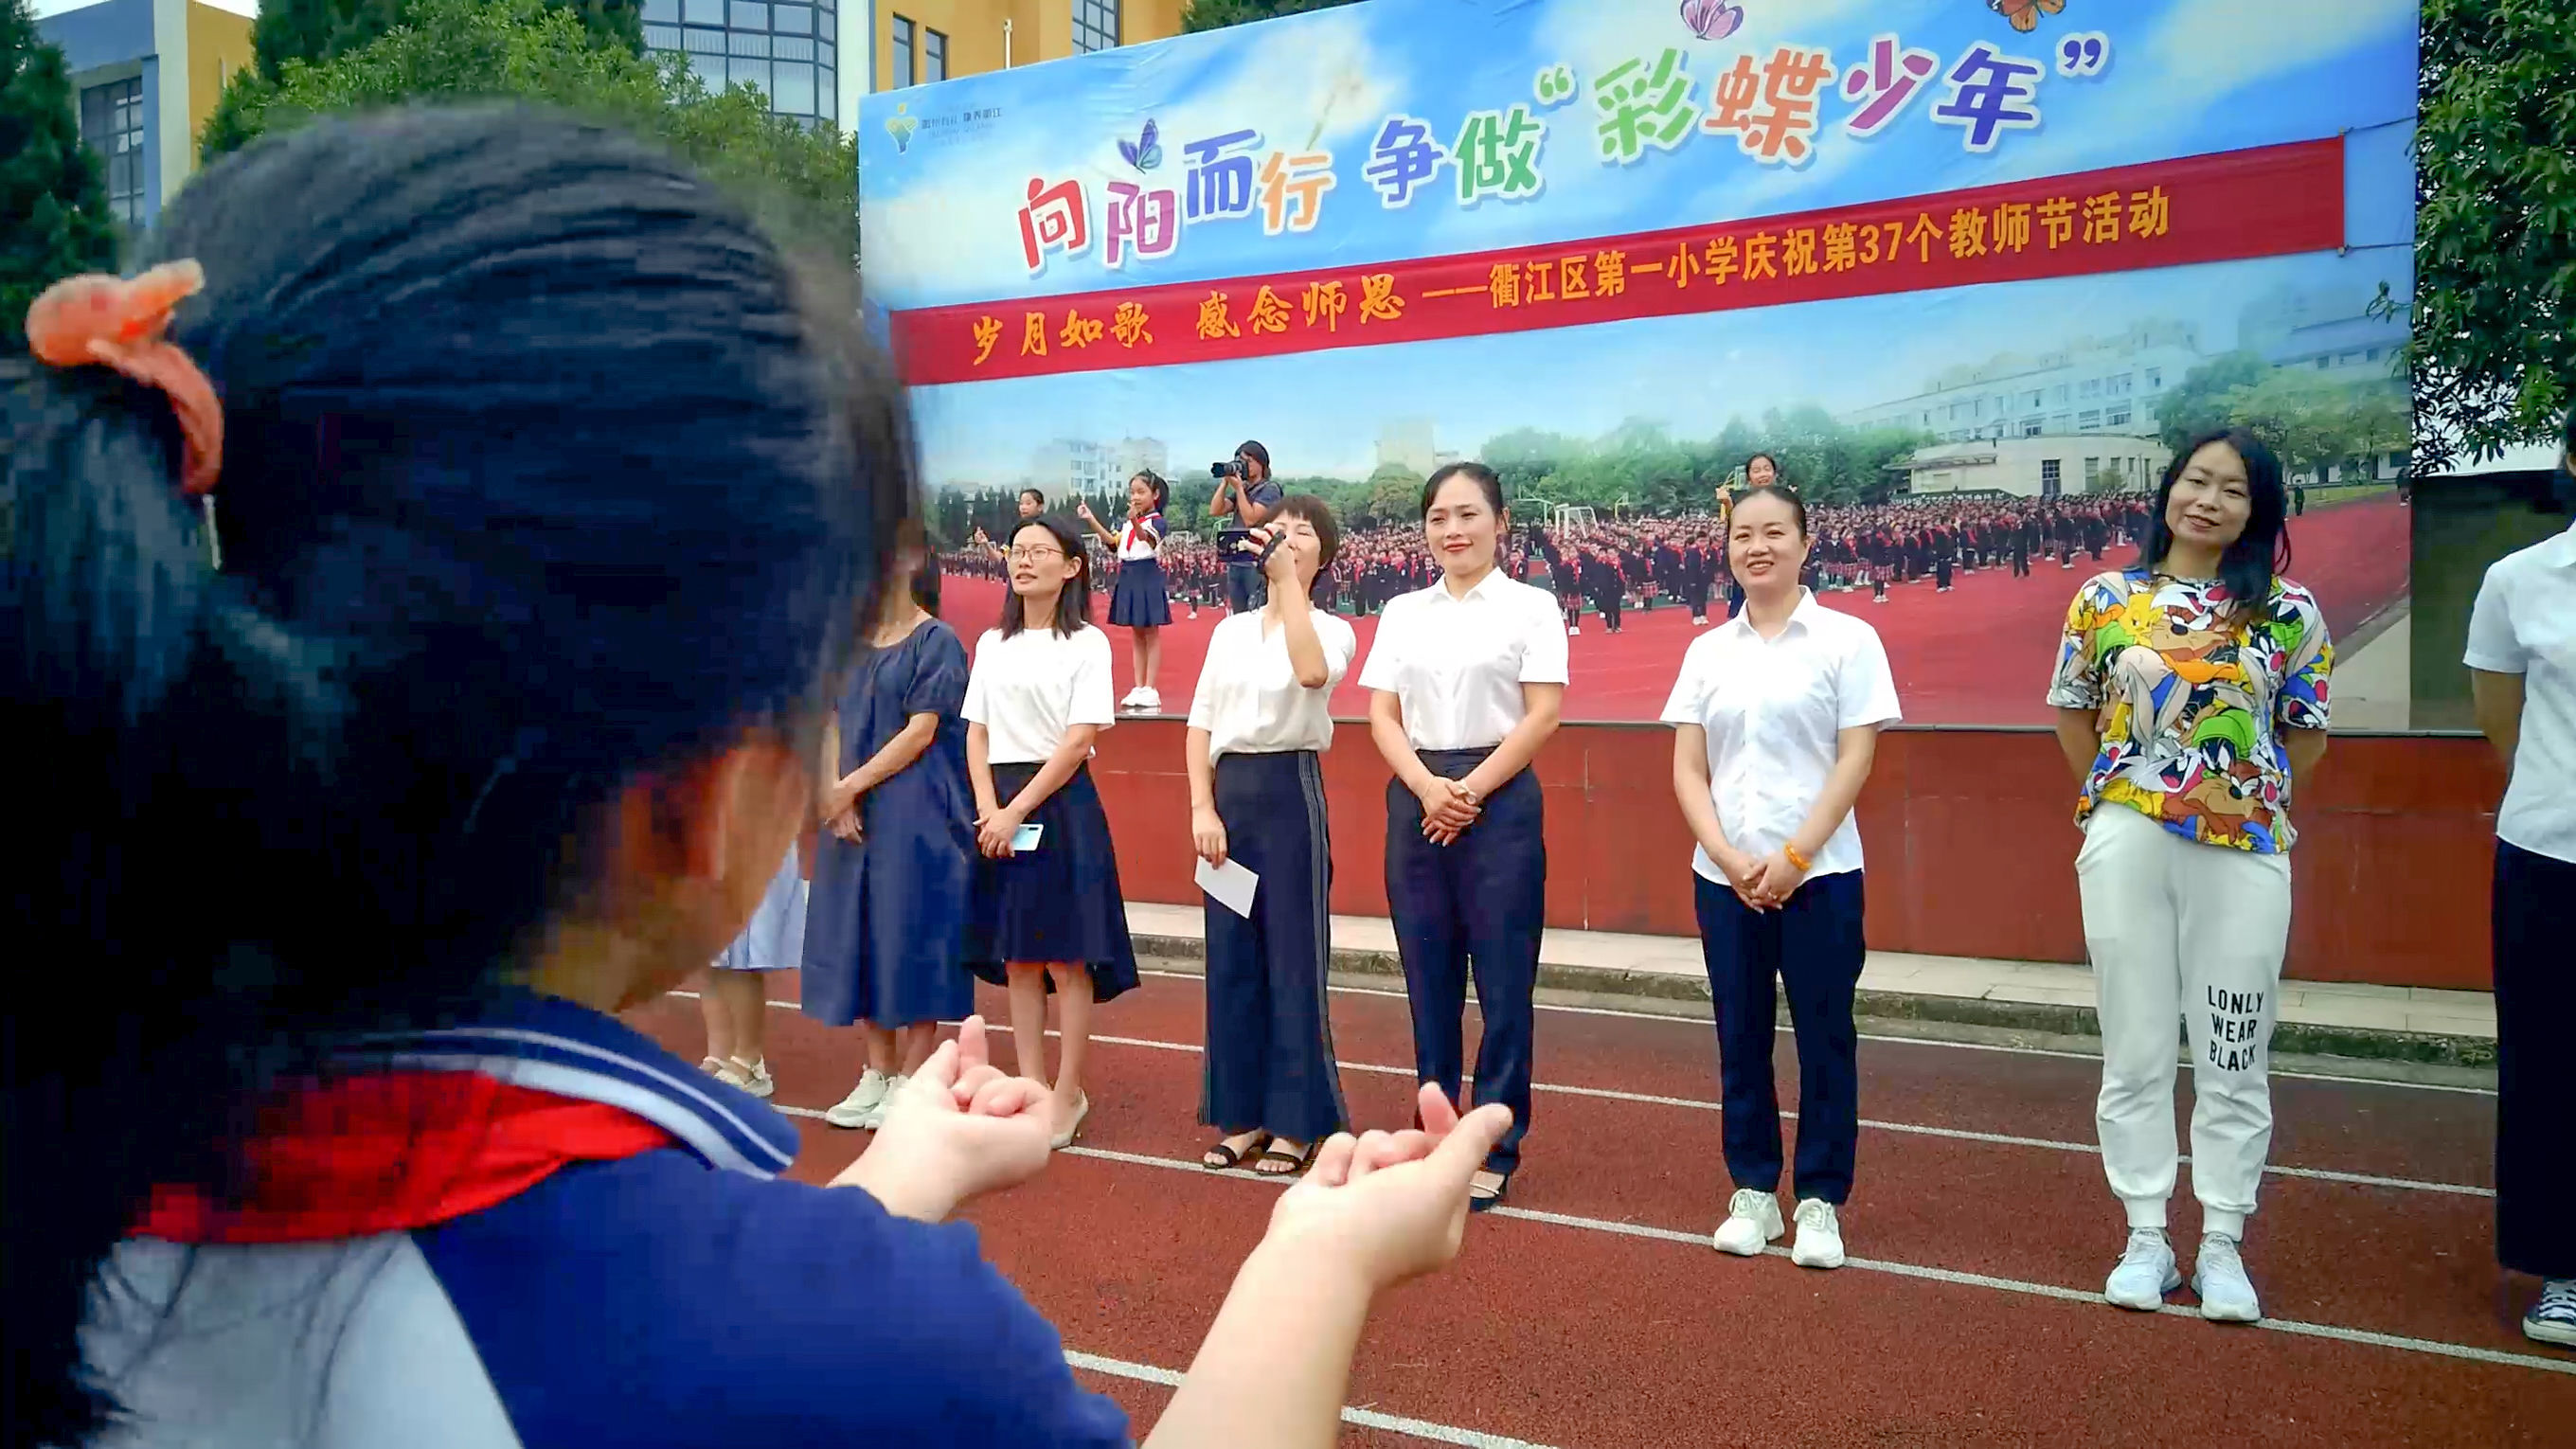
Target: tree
[
  {"x": 1218, "y": 14},
  {"x": 2493, "y": 353},
  {"x": 803, "y": 183},
  {"x": 54, "y": 220},
  {"x": 319, "y": 31},
  {"x": 2306, "y": 417},
  {"x": 2198, "y": 403}
]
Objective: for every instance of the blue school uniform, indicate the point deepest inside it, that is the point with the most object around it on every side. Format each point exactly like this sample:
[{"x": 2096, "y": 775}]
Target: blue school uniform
[
  {"x": 888, "y": 920},
  {"x": 680, "y": 1295}
]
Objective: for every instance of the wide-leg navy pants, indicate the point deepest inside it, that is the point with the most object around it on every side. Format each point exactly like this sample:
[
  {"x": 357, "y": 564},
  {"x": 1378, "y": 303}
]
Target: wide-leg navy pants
[
  {"x": 1269, "y": 1062},
  {"x": 1476, "y": 905}
]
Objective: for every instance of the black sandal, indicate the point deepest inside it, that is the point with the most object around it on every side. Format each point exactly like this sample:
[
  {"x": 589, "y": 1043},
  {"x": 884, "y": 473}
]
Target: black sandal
[
  {"x": 1483, "y": 1199},
  {"x": 1222, "y": 1158},
  {"x": 1291, "y": 1165}
]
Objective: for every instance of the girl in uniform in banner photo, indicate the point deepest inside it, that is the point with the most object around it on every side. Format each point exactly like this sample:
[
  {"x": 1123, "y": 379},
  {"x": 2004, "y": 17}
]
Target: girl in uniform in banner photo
[
  {"x": 2191, "y": 691},
  {"x": 1776, "y": 717},
  {"x": 1259, "y": 724},
  {"x": 1140, "y": 600},
  {"x": 1466, "y": 679},
  {"x": 1048, "y": 916},
  {"x": 894, "y": 872}
]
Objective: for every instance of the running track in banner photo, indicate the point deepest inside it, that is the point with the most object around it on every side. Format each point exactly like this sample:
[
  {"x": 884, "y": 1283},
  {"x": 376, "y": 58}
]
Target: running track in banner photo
[
  {"x": 1979, "y": 654},
  {"x": 1591, "y": 1311}
]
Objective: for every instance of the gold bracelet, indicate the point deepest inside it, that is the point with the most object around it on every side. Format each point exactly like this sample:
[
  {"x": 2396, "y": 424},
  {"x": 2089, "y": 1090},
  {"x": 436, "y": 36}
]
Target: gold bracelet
[{"x": 1801, "y": 862}]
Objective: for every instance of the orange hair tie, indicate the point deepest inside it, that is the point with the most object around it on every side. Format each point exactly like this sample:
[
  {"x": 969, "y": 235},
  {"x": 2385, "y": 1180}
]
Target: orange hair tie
[{"x": 118, "y": 323}]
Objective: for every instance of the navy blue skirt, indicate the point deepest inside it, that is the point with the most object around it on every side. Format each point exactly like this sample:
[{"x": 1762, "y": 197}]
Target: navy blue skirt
[
  {"x": 1142, "y": 600},
  {"x": 1059, "y": 902}
]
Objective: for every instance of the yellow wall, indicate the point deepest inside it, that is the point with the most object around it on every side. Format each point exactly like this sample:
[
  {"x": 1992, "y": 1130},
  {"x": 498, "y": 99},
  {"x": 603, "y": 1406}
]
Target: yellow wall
[
  {"x": 218, "y": 45},
  {"x": 1040, "y": 30}
]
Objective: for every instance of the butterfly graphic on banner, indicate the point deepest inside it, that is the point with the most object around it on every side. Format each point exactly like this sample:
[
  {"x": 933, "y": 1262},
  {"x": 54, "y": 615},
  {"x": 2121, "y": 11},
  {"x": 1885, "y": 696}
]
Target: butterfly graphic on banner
[
  {"x": 2024, "y": 14},
  {"x": 1146, "y": 151},
  {"x": 1711, "y": 19}
]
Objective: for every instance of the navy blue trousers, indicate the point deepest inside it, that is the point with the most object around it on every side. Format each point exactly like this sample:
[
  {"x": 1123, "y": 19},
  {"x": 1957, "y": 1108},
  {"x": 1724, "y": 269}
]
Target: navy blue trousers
[
  {"x": 1269, "y": 1062},
  {"x": 1476, "y": 905},
  {"x": 1813, "y": 946},
  {"x": 2535, "y": 998}
]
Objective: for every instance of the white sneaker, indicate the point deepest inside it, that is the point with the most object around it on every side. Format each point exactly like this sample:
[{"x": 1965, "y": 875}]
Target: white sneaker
[
  {"x": 2146, "y": 1272},
  {"x": 853, "y": 1110},
  {"x": 1148, "y": 701},
  {"x": 2553, "y": 1318},
  {"x": 1128, "y": 700},
  {"x": 2226, "y": 1294},
  {"x": 1820, "y": 1236},
  {"x": 1752, "y": 1220},
  {"x": 886, "y": 1104}
]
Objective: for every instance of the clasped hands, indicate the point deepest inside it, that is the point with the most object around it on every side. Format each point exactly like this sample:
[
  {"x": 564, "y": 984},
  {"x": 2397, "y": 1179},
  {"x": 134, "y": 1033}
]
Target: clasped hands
[
  {"x": 1448, "y": 808},
  {"x": 1763, "y": 882},
  {"x": 994, "y": 827}
]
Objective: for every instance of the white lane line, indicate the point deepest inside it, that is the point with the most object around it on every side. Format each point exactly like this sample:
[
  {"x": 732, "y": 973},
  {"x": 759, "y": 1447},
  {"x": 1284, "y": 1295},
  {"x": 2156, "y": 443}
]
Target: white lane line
[
  {"x": 1365, "y": 1418},
  {"x": 1962, "y": 1046},
  {"x": 1911, "y": 1129},
  {"x": 1953, "y": 1277}
]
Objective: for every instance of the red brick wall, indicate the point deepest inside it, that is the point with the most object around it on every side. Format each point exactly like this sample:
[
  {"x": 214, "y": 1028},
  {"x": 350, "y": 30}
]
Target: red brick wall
[{"x": 1970, "y": 839}]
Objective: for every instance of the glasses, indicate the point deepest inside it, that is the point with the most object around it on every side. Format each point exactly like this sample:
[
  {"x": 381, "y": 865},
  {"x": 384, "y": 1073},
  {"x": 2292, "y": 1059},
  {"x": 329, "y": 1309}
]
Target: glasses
[{"x": 1032, "y": 555}]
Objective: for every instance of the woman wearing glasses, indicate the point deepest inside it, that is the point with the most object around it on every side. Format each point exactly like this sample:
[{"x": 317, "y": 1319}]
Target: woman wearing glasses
[
  {"x": 1259, "y": 723},
  {"x": 1465, "y": 683},
  {"x": 1048, "y": 916}
]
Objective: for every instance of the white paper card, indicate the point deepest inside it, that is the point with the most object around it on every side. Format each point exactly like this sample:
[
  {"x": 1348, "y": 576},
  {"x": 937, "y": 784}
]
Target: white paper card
[{"x": 1231, "y": 884}]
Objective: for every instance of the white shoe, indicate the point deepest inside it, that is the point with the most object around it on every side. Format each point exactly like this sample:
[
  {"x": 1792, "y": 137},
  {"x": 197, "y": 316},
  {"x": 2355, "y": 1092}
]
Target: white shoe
[
  {"x": 853, "y": 1110},
  {"x": 1073, "y": 1129},
  {"x": 2146, "y": 1272},
  {"x": 886, "y": 1105},
  {"x": 1752, "y": 1220},
  {"x": 2226, "y": 1294},
  {"x": 1148, "y": 701},
  {"x": 1128, "y": 700},
  {"x": 1820, "y": 1236},
  {"x": 2553, "y": 1318},
  {"x": 752, "y": 1077}
]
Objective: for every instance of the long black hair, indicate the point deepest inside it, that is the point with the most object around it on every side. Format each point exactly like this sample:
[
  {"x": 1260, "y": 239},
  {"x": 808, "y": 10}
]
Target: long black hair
[
  {"x": 1073, "y": 606},
  {"x": 2262, "y": 552},
  {"x": 544, "y": 471}
]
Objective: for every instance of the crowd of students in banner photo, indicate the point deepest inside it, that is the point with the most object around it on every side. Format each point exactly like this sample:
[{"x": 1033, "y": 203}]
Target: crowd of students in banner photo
[{"x": 409, "y": 705}]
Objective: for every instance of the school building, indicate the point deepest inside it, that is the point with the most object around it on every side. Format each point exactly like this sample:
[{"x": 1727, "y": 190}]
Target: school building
[
  {"x": 145, "y": 75},
  {"x": 2047, "y": 466}
]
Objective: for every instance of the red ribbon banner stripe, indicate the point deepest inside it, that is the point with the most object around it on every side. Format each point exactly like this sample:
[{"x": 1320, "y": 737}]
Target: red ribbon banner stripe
[{"x": 2268, "y": 201}]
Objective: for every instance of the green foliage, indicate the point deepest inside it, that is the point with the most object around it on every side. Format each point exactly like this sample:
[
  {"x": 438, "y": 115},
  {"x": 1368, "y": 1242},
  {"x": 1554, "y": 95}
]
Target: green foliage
[
  {"x": 1638, "y": 467},
  {"x": 2198, "y": 403},
  {"x": 54, "y": 220},
  {"x": 2313, "y": 420},
  {"x": 318, "y": 30},
  {"x": 803, "y": 183},
  {"x": 2493, "y": 356},
  {"x": 1218, "y": 14}
]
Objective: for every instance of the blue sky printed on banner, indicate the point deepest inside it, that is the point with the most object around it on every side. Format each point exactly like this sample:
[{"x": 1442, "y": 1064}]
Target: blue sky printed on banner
[{"x": 2178, "y": 77}]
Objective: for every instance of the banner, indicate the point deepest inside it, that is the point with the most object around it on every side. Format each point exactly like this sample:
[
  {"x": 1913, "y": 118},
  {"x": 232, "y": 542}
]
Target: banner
[{"x": 1972, "y": 271}]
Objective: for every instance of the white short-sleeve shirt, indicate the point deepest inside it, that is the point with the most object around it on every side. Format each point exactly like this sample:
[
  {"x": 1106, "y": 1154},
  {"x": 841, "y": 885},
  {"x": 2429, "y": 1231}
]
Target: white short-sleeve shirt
[
  {"x": 1773, "y": 709},
  {"x": 1027, "y": 690},
  {"x": 2525, "y": 623},
  {"x": 1457, "y": 664},
  {"x": 1248, "y": 698}
]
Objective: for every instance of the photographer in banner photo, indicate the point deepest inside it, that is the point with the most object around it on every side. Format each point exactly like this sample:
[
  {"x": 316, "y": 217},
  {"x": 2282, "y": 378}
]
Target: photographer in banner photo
[{"x": 1244, "y": 494}]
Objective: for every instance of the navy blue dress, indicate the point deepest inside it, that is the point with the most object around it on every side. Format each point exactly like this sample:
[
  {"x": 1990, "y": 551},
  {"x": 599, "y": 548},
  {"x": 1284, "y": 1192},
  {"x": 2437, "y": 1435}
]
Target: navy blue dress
[{"x": 888, "y": 916}]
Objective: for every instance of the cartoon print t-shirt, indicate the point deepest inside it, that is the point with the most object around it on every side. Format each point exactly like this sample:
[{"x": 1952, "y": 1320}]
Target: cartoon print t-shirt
[{"x": 2192, "y": 712}]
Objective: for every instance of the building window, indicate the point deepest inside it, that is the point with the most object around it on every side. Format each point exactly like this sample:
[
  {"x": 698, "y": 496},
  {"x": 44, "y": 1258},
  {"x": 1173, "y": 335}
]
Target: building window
[
  {"x": 2036, "y": 399},
  {"x": 2030, "y": 427},
  {"x": 2088, "y": 420},
  {"x": 2116, "y": 416},
  {"x": 901, "y": 54},
  {"x": 2092, "y": 471},
  {"x": 2058, "y": 424},
  {"x": 111, "y": 122},
  {"x": 2155, "y": 378},
  {"x": 2061, "y": 393},
  {"x": 934, "y": 55},
  {"x": 1095, "y": 25},
  {"x": 2051, "y": 482},
  {"x": 2092, "y": 387}
]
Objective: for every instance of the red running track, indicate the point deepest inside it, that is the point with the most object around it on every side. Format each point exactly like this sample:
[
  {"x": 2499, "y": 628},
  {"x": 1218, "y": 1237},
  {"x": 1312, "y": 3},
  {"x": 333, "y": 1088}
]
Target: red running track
[
  {"x": 1592, "y": 1311},
  {"x": 1944, "y": 647}
]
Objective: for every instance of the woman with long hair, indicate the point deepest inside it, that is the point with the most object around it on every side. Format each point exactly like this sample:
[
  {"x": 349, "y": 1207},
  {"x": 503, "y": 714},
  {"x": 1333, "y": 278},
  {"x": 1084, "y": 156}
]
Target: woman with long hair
[
  {"x": 1775, "y": 721},
  {"x": 894, "y": 873},
  {"x": 1260, "y": 721},
  {"x": 1141, "y": 601},
  {"x": 2191, "y": 691},
  {"x": 2522, "y": 674},
  {"x": 1048, "y": 916},
  {"x": 463, "y": 522},
  {"x": 1466, "y": 680}
]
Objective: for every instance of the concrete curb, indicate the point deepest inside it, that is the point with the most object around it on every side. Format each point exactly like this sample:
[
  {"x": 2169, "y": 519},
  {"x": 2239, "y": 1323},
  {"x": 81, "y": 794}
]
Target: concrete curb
[{"x": 1663, "y": 993}]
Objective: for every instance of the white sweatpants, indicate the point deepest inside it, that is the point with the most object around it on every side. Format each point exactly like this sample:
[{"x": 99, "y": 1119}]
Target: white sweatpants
[{"x": 2177, "y": 928}]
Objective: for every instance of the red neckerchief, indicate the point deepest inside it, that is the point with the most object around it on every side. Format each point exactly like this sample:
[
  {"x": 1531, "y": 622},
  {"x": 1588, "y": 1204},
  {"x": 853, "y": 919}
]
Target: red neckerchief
[{"x": 393, "y": 1151}]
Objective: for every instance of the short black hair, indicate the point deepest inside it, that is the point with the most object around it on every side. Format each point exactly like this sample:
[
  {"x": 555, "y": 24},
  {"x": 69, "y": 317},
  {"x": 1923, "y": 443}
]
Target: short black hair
[
  {"x": 1256, "y": 453},
  {"x": 1318, "y": 515},
  {"x": 1034, "y": 493}
]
